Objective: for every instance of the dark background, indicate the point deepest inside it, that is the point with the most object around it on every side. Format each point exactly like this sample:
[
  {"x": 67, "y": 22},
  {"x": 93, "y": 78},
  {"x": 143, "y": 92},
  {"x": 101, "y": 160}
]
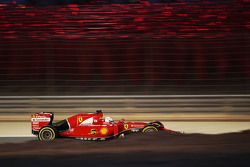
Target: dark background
[{"x": 139, "y": 47}]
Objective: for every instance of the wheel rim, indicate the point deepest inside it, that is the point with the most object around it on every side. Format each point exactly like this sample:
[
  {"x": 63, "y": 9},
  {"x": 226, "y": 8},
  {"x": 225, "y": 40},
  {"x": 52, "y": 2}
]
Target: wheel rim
[
  {"x": 150, "y": 130},
  {"x": 47, "y": 135}
]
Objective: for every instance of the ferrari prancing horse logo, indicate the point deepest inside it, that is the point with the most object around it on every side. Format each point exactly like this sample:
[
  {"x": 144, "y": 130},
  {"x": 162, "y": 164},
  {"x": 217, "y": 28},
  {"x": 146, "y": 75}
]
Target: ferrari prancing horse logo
[
  {"x": 125, "y": 126},
  {"x": 79, "y": 119}
]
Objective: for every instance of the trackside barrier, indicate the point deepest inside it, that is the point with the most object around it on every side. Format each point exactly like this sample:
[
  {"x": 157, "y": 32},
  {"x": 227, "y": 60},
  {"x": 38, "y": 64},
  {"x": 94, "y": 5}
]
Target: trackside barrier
[{"x": 137, "y": 107}]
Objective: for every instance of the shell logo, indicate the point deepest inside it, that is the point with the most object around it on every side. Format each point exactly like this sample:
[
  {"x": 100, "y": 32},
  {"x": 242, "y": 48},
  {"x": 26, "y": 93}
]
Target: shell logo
[{"x": 104, "y": 131}]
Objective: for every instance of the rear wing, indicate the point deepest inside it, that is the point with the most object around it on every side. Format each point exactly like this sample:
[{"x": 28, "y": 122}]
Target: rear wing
[{"x": 40, "y": 120}]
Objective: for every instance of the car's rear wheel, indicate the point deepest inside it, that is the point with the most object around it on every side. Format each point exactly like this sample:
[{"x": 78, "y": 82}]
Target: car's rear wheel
[
  {"x": 149, "y": 129},
  {"x": 47, "y": 134}
]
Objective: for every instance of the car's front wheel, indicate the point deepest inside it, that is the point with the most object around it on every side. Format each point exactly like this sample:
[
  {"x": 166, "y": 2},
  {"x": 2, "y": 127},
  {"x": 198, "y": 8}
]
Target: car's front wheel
[
  {"x": 149, "y": 129},
  {"x": 47, "y": 134}
]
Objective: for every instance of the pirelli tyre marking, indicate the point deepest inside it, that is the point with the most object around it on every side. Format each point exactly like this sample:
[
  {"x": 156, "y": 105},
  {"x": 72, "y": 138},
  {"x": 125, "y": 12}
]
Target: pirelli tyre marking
[
  {"x": 46, "y": 134},
  {"x": 150, "y": 129}
]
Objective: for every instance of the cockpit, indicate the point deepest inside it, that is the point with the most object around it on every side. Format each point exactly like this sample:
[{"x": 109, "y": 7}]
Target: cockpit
[{"x": 108, "y": 119}]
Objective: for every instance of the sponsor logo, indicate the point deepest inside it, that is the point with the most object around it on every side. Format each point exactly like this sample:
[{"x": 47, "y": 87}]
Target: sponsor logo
[
  {"x": 125, "y": 126},
  {"x": 79, "y": 119},
  {"x": 104, "y": 131},
  {"x": 40, "y": 119}
]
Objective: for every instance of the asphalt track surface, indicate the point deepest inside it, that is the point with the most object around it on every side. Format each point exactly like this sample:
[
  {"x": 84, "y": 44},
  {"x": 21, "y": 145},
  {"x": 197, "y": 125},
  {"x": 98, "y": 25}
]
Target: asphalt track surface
[
  {"x": 23, "y": 129},
  {"x": 156, "y": 149},
  {"x": 4, "y": 140}
]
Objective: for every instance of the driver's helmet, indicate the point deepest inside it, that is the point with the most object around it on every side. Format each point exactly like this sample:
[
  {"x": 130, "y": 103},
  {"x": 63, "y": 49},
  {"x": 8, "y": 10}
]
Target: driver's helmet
[{"x": 108, "y": 119}]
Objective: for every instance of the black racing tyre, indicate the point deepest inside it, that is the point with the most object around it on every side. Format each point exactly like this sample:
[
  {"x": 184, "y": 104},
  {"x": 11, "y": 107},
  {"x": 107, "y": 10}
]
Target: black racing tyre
[
  {"x": 149, "y": 129},
  {"x": 47, "y": 134}
]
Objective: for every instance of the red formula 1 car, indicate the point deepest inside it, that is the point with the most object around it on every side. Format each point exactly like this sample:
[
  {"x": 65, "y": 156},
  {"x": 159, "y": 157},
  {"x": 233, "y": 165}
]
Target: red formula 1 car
[{"x": 87, "y": 126}]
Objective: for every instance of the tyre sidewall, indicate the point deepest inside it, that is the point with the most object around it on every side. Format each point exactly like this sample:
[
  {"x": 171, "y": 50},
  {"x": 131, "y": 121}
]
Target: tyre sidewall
[
  {"x": 153, "y": 128},
  {"x": 50, "y": 129}
]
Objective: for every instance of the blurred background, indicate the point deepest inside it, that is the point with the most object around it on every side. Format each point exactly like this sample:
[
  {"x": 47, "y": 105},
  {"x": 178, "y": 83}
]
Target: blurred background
[{"x": 183, "y": 62}]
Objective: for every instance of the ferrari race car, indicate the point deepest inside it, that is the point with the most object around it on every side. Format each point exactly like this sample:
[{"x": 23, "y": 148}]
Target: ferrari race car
[{"x": 87, "y": 126}]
